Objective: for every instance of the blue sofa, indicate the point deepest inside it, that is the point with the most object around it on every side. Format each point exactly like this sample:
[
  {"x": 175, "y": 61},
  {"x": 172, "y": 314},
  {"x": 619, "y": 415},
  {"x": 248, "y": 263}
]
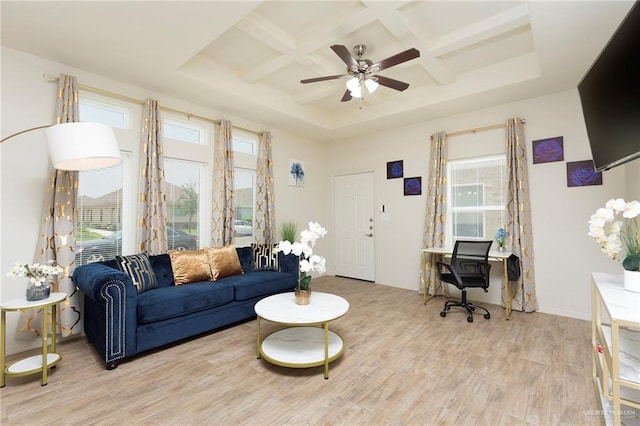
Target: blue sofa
[{"x": 120, "y": 322}]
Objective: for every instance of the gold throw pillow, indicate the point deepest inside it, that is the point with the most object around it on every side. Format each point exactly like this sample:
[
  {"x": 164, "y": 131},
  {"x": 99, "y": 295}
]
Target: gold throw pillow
[
  {"x": 224, "y": 262},
  {"x": 190, "y": 266}
]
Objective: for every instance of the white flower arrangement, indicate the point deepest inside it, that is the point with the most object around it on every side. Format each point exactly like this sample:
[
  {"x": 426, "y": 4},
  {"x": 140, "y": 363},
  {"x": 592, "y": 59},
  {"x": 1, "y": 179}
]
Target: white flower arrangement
[
  {"x": 309, "y": 262},
  {"x": 37, "y": 273},
  {"x": 619, "y": 239}
]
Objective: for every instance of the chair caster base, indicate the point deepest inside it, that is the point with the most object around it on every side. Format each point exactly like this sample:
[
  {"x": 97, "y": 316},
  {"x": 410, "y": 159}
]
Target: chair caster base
[{"x": 470, "y": 308}]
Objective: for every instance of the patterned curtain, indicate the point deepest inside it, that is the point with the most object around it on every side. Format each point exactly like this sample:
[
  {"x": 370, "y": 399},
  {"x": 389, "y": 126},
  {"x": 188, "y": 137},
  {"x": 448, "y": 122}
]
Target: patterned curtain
[
  {"x": 152, "y": 232},
  {"x": 264, "y": 217},
  {"x": 520, "y": 235},
  {"x": 436, "y": 214},
  {"x": 222, "y": 232},
  {"x": 57, "y": 237}
]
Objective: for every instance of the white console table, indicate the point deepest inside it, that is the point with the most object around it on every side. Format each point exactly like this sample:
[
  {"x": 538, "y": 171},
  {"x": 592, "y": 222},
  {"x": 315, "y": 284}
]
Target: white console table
[{"x": 615, "y": 338}]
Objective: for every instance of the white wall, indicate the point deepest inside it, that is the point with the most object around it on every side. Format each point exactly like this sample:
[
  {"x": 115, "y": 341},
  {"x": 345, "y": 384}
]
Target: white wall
[
  {"x": 308, "y": 203},
  {"x": 29, "y": 101},
  {"x": 632, "y": 170},
  {"x": 564, "y": 254}
]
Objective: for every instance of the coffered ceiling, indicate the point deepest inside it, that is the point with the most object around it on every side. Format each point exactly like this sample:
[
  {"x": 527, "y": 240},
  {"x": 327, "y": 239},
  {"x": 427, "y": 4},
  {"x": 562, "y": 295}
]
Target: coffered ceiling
[{"x": 246, "y": 58}]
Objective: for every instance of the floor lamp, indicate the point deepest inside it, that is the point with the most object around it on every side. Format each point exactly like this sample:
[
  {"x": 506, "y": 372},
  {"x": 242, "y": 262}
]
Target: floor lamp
[{"x": 79, "y": 145}]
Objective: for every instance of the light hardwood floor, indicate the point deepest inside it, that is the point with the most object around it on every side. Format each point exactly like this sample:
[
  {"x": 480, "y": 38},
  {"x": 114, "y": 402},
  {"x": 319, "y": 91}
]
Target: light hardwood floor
[{"x": 403, "y": 365}]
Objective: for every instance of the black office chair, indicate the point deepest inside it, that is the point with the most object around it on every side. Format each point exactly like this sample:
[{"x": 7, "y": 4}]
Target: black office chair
[{"x": 469, "y": 268}]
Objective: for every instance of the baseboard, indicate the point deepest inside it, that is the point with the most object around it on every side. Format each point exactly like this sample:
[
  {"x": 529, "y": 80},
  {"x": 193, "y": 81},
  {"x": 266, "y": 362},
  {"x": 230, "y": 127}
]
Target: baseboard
[{"x": 568, "y": 314}]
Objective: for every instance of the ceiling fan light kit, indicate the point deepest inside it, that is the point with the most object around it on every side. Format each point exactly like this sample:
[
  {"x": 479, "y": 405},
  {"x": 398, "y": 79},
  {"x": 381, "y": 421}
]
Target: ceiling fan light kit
[
  {"x": 360, "y": 72},
  {"x": 353, "y": 85},
  {"x": 371, "y": 84}
]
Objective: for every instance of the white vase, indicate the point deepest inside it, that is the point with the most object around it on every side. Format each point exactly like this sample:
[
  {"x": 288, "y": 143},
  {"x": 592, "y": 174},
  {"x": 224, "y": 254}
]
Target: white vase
[{"x": 632, "y": 281}]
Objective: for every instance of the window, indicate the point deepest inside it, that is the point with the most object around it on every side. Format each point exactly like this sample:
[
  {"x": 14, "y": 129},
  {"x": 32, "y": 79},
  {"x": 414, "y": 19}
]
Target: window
[
  {"x": 477, "y": 199},
  {"x": 106, "y": 219},
  {"x": 244, "y": 141},
  {"x": 244, "y": 182},
  {"x": 245, "y": 159},
  {"x": 100, "y": 109},
  {"x": 102, "y": 204},
  {"x": 183, "y": 189},
  {"x": 184, "y": 129},
  {"x": 188, "y": 154}
]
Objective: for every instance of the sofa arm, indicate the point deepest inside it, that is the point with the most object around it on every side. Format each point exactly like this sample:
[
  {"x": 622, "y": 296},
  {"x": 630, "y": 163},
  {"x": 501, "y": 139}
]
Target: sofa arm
[{"x": 110, "y": 310}]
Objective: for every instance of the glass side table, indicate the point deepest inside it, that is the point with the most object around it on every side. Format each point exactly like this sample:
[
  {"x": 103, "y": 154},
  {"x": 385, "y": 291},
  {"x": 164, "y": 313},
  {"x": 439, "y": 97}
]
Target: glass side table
[{"x": 36, "y": 363}]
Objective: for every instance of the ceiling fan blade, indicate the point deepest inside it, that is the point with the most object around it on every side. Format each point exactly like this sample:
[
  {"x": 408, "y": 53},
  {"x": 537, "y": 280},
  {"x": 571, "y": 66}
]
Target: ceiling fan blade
[
  {"x": 345, "y": 55},
  {"x": 390, "y": 82},
  {"x": 399, "y": 58},
  {"x": 346, "y": 97},
  {"x": 329, "y": 77}
]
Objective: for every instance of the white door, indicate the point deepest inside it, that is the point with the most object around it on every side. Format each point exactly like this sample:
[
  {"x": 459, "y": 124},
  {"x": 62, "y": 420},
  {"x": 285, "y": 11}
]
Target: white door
[{"x": 354, "y": 233}]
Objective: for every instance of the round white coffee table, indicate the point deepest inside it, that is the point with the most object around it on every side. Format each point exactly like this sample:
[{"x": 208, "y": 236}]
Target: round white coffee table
[{"x": 301, "y": 345}]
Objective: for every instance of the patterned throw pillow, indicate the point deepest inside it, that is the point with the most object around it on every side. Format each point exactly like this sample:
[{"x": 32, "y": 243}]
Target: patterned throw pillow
[
  {"x": 224, "y": 262},
  {"x": 138, "y": 267},
  {"x": 190, "y": 266},
  {"x": 265, "y": 257}
]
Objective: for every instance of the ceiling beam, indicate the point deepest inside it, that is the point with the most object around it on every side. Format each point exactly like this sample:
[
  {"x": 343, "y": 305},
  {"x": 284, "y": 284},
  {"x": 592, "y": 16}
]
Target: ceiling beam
[
  {"x": 323, "y": 34},
  {"x": 259, "y": 28},
  {"x": 387, "y": 14},
  {"x": 509, "y": 20}
]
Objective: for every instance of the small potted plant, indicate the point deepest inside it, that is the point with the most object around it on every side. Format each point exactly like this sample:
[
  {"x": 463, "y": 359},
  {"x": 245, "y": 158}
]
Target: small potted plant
[
  {"x": 501, "y": 239},
  {"x": 309, "y": 262},
  {"x": 38, "y": 287},
  {"x": 288, "y": 231}
]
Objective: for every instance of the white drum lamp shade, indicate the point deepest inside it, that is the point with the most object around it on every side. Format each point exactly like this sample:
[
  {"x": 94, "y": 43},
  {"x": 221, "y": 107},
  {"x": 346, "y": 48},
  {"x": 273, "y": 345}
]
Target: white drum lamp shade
[{"x": 82, "y": 146}]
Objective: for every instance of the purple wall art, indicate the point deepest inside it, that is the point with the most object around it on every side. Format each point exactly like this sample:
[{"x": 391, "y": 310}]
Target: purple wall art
[
  {"x": 413, "y": 186},
  {"x": 582, "y": 173},
  {"x": 548, "y": 150},
  {"x": 395, "y": 169}
]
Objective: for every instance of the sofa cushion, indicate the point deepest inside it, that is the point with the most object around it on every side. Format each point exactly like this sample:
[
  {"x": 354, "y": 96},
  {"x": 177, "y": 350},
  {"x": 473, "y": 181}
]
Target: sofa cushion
[
  {"x": 260, "y": 283},
  {"x": 265, "y": 257},
  {"x": 169, "y": 302},
  {"x": 246, "y": 258},
  {"x": 138, "y": 267},
  {"x": 224, "y": 262},
  {"x": 161, "y": 265},
  {"x": 190, "y": 266}
]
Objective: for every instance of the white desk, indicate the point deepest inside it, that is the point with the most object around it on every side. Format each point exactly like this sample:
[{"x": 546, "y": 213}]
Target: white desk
[{"x": 494, "y": 255}]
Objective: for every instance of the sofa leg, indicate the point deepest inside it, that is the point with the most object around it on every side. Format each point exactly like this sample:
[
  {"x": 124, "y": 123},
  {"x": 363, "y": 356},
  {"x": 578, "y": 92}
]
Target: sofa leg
[{"x": 112, "y": 365}]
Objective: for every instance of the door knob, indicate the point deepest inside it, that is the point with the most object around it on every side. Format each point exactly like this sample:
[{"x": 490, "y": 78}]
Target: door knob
[{"x": 370, "y": 234}]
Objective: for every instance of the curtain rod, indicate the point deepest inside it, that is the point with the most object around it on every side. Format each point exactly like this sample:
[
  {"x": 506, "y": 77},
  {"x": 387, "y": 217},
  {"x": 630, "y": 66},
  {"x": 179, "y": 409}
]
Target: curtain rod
[
  {"x": 479, "y": 129},
  {"x": 125, "y": 98}
]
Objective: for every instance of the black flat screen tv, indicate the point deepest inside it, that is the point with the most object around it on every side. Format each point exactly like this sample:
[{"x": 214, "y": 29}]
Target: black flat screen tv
[{"x": 610, "y": 97}]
